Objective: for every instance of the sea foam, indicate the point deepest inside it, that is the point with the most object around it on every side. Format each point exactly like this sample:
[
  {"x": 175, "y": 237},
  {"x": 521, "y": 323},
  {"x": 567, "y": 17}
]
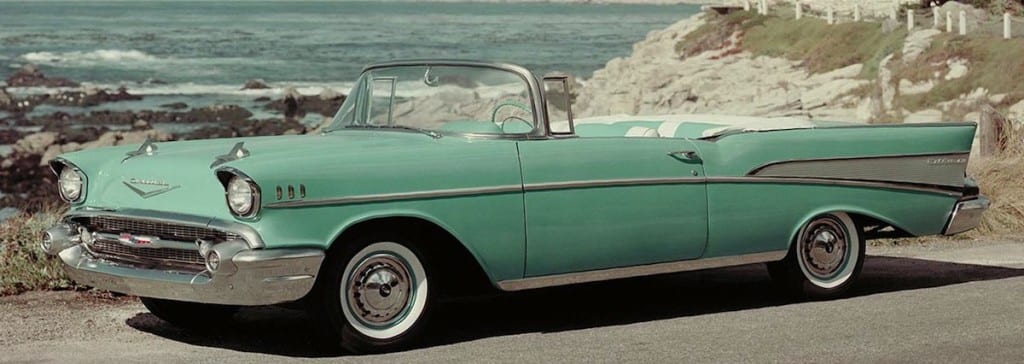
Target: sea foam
[{"x": 99, "y": 55}]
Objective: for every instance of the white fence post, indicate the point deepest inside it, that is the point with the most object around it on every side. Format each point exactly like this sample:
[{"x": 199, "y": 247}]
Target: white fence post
[
  {"x": 799, "y": 10},
  {"x": 746, "y": 5},
  {"x": 935, "y": 17},
  {"x": 831, "y": 16},
  {"x": 856, "y": 12},
  {"x": 963, "y": 22},
  {"x": 894, "y": 13},
  {"x": 1007, "y": 34},
  {"x": 910, "y": 20},
  {"x": 949, "y": 22}
]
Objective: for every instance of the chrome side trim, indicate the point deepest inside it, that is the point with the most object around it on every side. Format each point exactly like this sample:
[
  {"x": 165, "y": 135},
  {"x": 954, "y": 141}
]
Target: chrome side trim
[
  {"x": 245, "y": 231},
  {"x": 940, "y": 169},
  {"x": 966, "y": 215},
  {"x": 400, "y": 196},
  {"x": 472, "y": 191},
  {"x": 838, "y": 182},
  {"x": 546, "y": 186},
  {"x": 717, "y": 137},
  {"x": 638, "y": 271},
  {"x": 564, "y": 185}
]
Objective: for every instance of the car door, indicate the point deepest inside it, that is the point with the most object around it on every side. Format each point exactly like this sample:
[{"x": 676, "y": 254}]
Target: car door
[{"x": 595, "y": 203}]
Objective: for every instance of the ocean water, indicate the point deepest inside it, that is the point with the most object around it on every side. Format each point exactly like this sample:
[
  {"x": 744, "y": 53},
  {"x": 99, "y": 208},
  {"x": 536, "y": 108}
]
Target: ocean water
[{"x": 212, "y": 48}]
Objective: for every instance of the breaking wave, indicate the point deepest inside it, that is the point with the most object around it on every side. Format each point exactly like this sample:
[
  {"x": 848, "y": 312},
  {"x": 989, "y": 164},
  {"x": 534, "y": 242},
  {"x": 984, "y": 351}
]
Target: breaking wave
[
  {"x": 99, "y": 55},
  {"x": 193, "y": 89}
]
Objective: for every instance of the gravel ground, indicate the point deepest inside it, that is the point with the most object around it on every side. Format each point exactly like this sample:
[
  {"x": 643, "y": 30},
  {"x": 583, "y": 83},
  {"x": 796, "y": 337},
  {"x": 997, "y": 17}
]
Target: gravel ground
[{"x": 921, "y": 303}]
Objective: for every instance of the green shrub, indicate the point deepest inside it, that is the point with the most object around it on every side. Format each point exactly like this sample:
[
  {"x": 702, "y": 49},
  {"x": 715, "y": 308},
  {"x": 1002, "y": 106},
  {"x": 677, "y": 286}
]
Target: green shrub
[{"x": 23, "y": 264}]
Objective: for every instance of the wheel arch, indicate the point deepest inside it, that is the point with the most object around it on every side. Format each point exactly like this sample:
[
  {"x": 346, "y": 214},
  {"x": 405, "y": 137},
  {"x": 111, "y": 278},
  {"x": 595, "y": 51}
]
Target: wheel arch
[
  {"x": 454, "y": 258},
  {"x": 868, "y": 222}
]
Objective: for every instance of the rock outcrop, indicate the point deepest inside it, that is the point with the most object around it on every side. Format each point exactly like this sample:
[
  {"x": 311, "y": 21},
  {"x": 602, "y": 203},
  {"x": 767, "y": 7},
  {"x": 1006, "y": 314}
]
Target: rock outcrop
[
  {"x": 30, "y": 76},
  {"x": 665, "y": 75},
  {"x": 654, "y": 79},
  {"x": 255, "y": 84}
]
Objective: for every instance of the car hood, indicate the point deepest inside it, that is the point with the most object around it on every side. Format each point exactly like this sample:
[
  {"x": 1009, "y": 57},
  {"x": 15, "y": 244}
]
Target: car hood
[{"x": 180, "y": 176}]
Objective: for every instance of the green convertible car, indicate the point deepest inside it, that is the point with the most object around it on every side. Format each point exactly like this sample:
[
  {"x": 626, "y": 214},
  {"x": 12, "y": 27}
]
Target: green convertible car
[{"x": 447, "y": 177}]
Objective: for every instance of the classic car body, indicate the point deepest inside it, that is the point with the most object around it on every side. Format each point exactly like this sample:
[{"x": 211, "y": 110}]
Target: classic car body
[{"x": 550, "y": 202}]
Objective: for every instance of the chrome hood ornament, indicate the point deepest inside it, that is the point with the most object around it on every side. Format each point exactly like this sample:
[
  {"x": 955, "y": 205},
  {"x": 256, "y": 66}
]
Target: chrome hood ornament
[
  {"x": 147, "y": 148},
  {"x": 148, "y": 188},
  {"x": 237, "y": 152}
]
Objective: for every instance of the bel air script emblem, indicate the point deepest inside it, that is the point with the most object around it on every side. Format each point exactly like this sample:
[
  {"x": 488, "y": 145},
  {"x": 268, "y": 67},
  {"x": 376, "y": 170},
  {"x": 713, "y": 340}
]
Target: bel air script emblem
[
  {"x": 148, "y": 188},
  {"x": 944, "y": 161}
]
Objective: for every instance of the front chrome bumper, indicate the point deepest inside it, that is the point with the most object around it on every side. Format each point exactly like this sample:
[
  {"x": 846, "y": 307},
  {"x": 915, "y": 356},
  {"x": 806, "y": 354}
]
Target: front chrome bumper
[
  {"x": 263, "y": 277},
  {"x": 966, "y": 215},
  {"x": 245, "y": 272}
]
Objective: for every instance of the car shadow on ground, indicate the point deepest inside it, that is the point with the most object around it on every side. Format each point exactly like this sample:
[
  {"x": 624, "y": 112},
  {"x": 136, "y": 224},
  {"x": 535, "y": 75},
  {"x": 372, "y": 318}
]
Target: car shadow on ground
[{"x": 289, "y": 332}]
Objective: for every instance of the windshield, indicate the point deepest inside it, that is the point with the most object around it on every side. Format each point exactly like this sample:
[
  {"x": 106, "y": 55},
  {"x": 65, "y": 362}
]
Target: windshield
[{"x": 459, "y": 99}]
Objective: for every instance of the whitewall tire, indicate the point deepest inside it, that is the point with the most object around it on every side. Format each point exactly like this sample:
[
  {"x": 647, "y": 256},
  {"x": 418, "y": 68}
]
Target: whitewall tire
[
  {"x": 376, "y": 293},
  {"x": 824, "y": 259}
]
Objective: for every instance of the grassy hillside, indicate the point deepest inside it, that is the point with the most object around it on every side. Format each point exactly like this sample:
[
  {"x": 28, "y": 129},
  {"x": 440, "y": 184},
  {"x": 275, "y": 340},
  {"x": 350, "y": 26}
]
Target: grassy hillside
[
  {"x": 993, "y": 62},
  {"x": 821, "y": 47}
]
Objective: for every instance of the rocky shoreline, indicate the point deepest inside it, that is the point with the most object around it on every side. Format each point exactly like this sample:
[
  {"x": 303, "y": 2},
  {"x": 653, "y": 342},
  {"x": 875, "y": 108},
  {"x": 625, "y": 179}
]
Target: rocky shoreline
[{"x": 25, "y": 180}]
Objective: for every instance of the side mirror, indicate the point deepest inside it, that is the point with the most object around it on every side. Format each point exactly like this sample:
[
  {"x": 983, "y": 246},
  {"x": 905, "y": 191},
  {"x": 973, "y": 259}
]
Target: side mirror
[{"x": 558, "y": 101}]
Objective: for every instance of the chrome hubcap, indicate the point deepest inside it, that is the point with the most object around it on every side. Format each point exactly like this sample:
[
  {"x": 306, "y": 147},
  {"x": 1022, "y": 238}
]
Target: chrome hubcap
[
  {"x": 380, "y": 289},
  {"x": 825, "y": 247}
]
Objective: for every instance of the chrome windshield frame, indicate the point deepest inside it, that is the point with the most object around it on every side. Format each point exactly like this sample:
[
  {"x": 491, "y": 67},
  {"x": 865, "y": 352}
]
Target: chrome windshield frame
[{"x": 540, "y": 115}]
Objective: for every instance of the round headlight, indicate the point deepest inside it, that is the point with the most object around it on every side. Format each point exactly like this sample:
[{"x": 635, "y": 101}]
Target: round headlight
[
  {"x": 70, "y": 184},
  {"x": 241, "y": 196}
]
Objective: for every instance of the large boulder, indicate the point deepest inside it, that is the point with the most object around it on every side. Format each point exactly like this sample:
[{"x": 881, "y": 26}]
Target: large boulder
[
  {"x": 255, "y": 84},
  {"x": 917, "y": 42},
  {"x": 30, "y": 76},
  {"x": 36, "y": 143}
]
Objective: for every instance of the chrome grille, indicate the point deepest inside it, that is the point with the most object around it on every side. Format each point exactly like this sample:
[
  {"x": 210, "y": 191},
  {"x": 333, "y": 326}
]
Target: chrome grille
[
  {"x": 157, "y": 255},
  {"x": 162, "y": 230}
]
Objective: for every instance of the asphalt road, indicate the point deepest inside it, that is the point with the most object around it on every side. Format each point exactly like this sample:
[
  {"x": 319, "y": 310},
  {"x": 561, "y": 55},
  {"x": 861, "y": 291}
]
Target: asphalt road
[{"x": 921, "y": 304}]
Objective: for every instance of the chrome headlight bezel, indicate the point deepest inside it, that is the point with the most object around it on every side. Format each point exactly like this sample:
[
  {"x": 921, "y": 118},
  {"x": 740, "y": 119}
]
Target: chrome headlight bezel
[
  {"x": 234, "y": 181},
  {"x": 69, "y": 173}
]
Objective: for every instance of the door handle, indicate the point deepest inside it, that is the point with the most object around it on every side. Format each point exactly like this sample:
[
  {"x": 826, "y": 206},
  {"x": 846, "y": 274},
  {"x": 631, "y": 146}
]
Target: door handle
[{"x": 685, "y": 155}]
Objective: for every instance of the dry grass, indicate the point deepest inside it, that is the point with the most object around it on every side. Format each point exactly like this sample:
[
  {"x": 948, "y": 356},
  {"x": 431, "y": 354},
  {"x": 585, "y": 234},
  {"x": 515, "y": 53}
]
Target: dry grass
[
  {"x": 23, "y": 264},
  {"x": 822, "y": 47},
  {"x": 717, "y": 32},
  {"x": 1001, "y": 178}
]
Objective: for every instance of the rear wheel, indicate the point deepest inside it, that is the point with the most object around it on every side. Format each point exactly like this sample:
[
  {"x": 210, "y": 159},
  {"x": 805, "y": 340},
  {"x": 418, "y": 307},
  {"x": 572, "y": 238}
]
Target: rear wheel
[
  {"x": 824, "y": 261},
  {"x": 375, "y": 294},
  {"x": 189, "y": 314}
]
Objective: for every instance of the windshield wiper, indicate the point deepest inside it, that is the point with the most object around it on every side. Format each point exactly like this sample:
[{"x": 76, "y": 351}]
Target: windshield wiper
[{"x": 431, "y": 133}]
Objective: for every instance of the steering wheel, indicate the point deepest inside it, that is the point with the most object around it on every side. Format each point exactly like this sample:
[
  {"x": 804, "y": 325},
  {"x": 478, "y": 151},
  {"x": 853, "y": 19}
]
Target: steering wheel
[{"x": 517, "y": 120}]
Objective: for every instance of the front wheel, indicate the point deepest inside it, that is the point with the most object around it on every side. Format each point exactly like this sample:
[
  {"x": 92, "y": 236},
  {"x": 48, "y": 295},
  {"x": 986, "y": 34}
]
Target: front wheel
[
  {"x": 824, "y": 261},
  {"x": 375, "y": 295}
]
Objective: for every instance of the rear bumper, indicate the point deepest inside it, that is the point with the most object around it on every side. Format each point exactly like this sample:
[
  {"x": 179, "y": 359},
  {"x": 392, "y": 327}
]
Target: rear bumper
[
  {"x": 966, "y": 215},
  {"x": 263, "y": 277}
]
